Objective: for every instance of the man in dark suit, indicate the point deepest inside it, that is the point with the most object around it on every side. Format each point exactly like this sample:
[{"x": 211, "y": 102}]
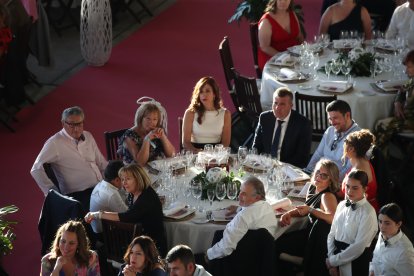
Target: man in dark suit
[{"x": 283, "y": 132}]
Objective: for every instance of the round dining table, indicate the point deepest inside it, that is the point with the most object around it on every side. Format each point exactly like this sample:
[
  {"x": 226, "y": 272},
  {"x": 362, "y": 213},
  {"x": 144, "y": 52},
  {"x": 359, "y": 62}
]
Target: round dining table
[{"x": 367, "y": 104}]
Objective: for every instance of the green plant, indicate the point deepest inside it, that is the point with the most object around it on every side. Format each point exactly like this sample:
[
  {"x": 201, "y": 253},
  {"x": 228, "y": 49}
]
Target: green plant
[
  {"x": 252, "y": 11},
  {"x": 6, "y": 230},
  {"x": 206, "y": 185}
]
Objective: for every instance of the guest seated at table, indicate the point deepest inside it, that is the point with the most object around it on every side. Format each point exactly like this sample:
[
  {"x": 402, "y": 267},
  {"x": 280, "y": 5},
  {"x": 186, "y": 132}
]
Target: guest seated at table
[
  {"x": 353, "y": 228},
  {"x": 70, "y": 253},
  {"x": 283, "y": 132},
  {"x": 255, "y": 213},
  {"x": 144, "y": 205},
  {"x": 108, "y": 194},
  {"x": 147, "y": 139},
  {"x": 401, "y": 23},
  {"x": 394, "y": 252},
  {"x": 142, "y": 258},
  {"x": 331, "y": 145},
  {"x": 403, "y": 119},
  {"x": 356, "y": 146},
  {"x": 347, "y": 15},
  {"x": 206, "y": 120},
  {"x": 279, "y": 29},
  {"x": 181, "y": 262},
  {"x": 320, "y": 206}
]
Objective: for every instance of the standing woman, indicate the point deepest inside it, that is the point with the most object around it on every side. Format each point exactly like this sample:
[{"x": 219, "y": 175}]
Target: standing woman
[
  {"x": 347, "y": 15},
  {"x": 353, "y": 228},
  {"x": 356, "y": 146},
  {"x": 142, "y": 259},
  {"x": 144, "y": 206},
  {"x": 206, "y": 121},
  {"x": 279, "y": 29},
  {"x": 147, "y": 139},
  {"x": 70, "y": 253},
  {"x": 394, "y": 252}
]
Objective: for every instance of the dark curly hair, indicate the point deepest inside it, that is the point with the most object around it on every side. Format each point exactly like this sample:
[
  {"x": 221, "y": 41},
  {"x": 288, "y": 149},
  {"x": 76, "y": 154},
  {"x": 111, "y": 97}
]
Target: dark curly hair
[
  {"x": 361, "y": 141},
  {"x": 196, "y": 105}
]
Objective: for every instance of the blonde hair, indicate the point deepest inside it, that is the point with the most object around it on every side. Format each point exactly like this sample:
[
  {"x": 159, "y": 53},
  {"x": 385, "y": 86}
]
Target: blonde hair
[
  {"x": 333, "y": 173},
  {"x": 140, "y": 176}
]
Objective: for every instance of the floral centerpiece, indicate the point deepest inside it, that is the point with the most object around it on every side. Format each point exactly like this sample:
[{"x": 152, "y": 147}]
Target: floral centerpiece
[
  {"x": 6, "y": 231},
  {"x": 214, "y": 176}
]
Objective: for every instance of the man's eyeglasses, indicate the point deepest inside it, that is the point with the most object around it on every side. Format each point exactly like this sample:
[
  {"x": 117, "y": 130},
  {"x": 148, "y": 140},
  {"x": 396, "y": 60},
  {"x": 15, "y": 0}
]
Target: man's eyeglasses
[
  {"x": 74, "y": 125},
  {"x": 336, "y": 141},
  {"x": 322, "y": 176}
]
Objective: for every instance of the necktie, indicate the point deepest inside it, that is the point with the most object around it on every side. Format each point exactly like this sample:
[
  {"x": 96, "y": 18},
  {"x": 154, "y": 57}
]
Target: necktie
[
  {"x": 385, "y": 241},
  {"x": 352, "y": 204},
  {"x": 275, "y": 144}
]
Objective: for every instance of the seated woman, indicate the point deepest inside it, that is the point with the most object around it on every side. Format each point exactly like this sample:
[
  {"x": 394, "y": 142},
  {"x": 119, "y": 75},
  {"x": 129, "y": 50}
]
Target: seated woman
[
  {"x": 70, "y": 253},
  {"x": 320, "y": 206},
  {"x": 142, "y": 258},
  {"x": 278, "y": 30},
  {"x": 347, "y": 15},
  {"x": 403, "y": 108},
  {"x": 356, "y": 146},
  {"x": 144, "y": 205},
  {"x": 147, "y": 140},
  {"x": 353, "y": 228},
  {"x": 206, "y": 121},
  {"x": 394, "y": 252}
]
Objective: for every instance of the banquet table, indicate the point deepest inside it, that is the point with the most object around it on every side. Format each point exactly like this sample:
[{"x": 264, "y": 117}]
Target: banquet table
[{"x": 367, "y": 104}]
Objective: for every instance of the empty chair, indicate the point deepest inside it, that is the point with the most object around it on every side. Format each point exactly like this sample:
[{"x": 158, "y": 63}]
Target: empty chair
[
  {"x": 227, "y": 61},
  {"x": 314, "y": 108},
  {"x": 254, "y": 39},
  {"x": 117, "y": 236},
  {"x": 111, "y": 142}
]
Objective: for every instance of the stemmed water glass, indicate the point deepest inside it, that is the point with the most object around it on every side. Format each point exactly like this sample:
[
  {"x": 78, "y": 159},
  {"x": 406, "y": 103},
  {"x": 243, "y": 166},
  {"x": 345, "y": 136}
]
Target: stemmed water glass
[
  {"x": 346, "y": 68},
  {"x": 328, "y": 68},
  {"x": 242, "y": 154},
  {"x": 210, "y": 195},
  {"x": 232, "y": 190},
  {"x": 197, "y": 191},
  {"x": 220, "y": 191},
  {"x": 336, "y": 67}
]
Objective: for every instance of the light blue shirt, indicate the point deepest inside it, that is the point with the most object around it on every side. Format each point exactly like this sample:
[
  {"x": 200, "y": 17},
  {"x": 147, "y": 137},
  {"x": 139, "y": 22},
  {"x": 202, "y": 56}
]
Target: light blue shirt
[{"x": 324, "y": 150}]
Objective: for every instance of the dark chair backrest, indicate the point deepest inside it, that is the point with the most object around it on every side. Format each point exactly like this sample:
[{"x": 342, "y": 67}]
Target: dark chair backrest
[
  {"x": 384, "y": 184},
  {"x": 247, "y": 94},
  {"x": 180, "y": 132},
  {"x": 227, "y": 62},
  {"x": 242, "y": 131},
  {"x": 117, "y": 236},
  {"x": 112, "y": 142},
  {"x": 314, "y": 108},
  {"x": 254, "y": 39}
]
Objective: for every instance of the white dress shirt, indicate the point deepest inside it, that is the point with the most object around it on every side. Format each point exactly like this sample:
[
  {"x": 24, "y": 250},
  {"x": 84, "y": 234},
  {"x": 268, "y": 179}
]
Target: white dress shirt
[
  {"x": 397, "y": 258},
  {"x": 282, "y": 132},
  {"x": 258, "y": 215},
  {"x": 355, "y": 227},
  {"x": 78, "y": 165},
  {"x": 105, "y": 197},
  {"x": 402, "y": 24}
]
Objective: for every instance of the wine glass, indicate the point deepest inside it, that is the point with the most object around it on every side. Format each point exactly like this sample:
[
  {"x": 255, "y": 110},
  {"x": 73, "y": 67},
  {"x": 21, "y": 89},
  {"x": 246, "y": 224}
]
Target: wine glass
[
  {"x": 210, "y": 195},
  {"x": 242, "y": 154},
  {"x": 336, "y": 67},
  {"x": 345, "y": 68},
  {"x": 197, "y": 191},
  {"x": 208, "y": 148},
  {"x": 220, "y": 191},
  {"x": 328, "y": 68},
  {"x": 232, "y": 190}
]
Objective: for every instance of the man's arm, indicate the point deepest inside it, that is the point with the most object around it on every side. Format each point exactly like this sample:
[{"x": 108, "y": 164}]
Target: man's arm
[
  {"x": 99, "y": 158},
  {"x": 48, "y": 154}
]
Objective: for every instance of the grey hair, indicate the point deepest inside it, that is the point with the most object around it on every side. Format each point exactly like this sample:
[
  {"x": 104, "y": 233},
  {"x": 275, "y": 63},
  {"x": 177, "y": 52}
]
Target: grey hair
[
  {"x": 257, "y": 186},
  {"x": 74, "y": 110}
]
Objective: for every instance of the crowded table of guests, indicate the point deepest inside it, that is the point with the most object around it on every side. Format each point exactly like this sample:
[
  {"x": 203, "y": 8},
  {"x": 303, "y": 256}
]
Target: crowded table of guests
[{"x": 344, "y": 217}]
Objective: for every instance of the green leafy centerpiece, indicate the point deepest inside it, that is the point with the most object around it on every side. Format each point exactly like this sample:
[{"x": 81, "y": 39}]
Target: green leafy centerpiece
[{"x": 7, "y": 235}]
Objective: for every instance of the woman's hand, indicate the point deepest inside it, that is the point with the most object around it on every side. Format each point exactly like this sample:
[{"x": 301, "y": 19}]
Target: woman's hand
[
  {"x": 303, "y": 210},
  {"x": 155, "y": 133},
  {"x": 90, "y": 216},
  {"x": 399, "y": 110},
  {"x": 285, "y": 219},
  {"x": 129, "y": 270},
  {"x": 60, "y": 262}
]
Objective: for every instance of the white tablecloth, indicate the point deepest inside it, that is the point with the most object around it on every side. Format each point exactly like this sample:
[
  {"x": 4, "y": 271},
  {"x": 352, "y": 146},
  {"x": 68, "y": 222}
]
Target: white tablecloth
[{"x": 366, "y": 110}]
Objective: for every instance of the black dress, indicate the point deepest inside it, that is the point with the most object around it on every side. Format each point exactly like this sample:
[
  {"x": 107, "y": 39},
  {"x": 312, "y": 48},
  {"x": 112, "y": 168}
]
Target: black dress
[
  {"x": 309, "y": 243},
  {"x": 147, "y": 210},
  {"x": 352, "y": 22}
]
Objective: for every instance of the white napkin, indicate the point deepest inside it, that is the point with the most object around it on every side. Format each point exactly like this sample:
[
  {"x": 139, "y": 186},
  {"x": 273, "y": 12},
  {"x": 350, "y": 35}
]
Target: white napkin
[
  {"x": 173, "y": 208},
  {"x": 290, "y": 74},
  {"x": 283, "y": 59},
  {"x": 281, "y": 203},
  {"x": 220, "y": 215},
  {"x": 295, "y": 174},
  {"x": 334, "y": 86},
  {"x": 390, "y": 85}
]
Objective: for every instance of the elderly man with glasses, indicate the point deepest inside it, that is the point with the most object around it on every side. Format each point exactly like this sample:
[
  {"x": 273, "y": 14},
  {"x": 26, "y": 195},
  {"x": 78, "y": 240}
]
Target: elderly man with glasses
[
  {"x": 74, "y": 158},
  {"x": 332, "y": 144}
]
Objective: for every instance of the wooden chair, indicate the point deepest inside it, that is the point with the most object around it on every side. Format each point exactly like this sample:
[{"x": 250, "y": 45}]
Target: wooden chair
[
  {"x": 227, "y": 61},
  {"x": 117, "y": 236},
  {"x": 247, "y": 95},
  {"x": 111, "y": 142},
  {"x": 254, "y": 39},
  {"x": 314, "y": 108},
  {"x": 180, "y": 132}
]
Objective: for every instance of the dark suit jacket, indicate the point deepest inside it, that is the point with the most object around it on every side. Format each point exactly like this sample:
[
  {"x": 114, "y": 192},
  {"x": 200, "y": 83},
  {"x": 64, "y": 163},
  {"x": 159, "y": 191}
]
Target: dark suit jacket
[{"x": 296, "y": 143}]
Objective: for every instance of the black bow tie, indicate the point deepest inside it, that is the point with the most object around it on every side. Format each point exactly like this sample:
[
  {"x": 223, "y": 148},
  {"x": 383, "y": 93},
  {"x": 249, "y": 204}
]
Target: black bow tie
[
  {"x": 352, "y": 204},
  {"x": 386, "y": 242}
]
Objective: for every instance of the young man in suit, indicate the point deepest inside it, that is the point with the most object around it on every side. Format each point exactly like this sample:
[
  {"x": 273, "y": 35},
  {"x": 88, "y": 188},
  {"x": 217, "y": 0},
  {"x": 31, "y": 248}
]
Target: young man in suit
[{"x": 283, "y": 132}]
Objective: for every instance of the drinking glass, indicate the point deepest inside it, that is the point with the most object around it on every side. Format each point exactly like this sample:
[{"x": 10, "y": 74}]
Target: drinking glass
[
  {"x": 208, "y": 148},
  {"x": 220, "y": 191},
  {"x": 253, "y": 151},
  {"x": 328, "y": 68},
  {"x": 232, "y": 190},
  {"x": 373, "y": 69},
  {"x": 197, "y": 191},
  {"x": 242, "y": 154},
  {"x": 210, "y": 195},
  {"x": 336, "y": 67},
  {"x": 346, "y": 68},
  {"x": 189, "y": 157}
]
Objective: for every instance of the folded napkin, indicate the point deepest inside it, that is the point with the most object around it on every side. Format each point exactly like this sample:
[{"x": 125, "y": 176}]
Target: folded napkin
[
  {"x": 390, "y": 85},
  {"x": 281, "y": 203},
  {"x": 173, "y": 208},
  {"x": 290, "y": 74},
  {"x": 220, "y": 215},
  {"x": 334, "y": 86},
  {"x": 295, "y": 174},
  {"x": 283, "y": 59}
]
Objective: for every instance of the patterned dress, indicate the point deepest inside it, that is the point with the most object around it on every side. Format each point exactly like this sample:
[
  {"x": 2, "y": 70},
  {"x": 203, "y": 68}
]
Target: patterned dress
[{"x": 92, "y": 269}]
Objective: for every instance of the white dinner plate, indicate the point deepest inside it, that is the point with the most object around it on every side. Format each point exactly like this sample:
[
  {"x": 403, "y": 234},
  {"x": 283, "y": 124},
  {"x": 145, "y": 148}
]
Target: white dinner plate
[{"x": 200, "y": 220}]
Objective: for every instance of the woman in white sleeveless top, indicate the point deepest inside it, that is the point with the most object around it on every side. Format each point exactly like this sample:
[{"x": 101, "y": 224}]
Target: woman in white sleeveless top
[{"x": 206, "y": 121}]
